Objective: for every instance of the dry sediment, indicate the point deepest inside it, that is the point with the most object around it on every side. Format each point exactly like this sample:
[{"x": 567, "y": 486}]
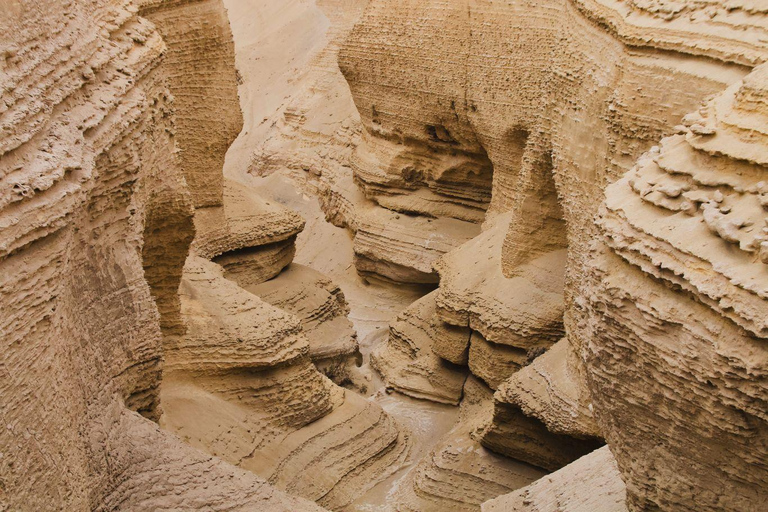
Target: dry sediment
[{"x": 460, "y": 474}]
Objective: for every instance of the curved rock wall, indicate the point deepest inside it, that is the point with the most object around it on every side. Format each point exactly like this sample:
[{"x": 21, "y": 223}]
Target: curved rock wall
[
  {"x": 559, "y": 114},
  {"x": 202, "y": 78},
  {"x": 561, "y": 97},
  {"x": 92, "y": 193},
  {"x": 487, "y": 135},
  {"x": 677, "y": 312}
]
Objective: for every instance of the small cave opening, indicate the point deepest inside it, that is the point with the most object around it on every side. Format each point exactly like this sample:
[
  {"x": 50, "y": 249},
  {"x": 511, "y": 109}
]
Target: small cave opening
[
  {"x": 439, "y": 133},
  {"x": 468, "y": 182}
]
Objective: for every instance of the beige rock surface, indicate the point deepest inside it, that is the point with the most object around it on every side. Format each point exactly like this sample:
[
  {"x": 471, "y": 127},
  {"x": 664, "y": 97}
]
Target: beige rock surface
[
  {"x": 538, "y": 415},
  {"x": 450, "y": 155},
  {"x": 589, "y": 99},
  {"x": 240, "y": 382},
  {"x": 512, "y": 319},
  {"x": 322, "y": 309},
  {"x": 679, "y": 311},
  {"x": 93, "y": 192},
  {"x": 546, "y": 389},
  {"x": 591, "y": 484},
  {"x": 402, "y": 248},
  {"x": 205, "y": 128},
  {"x": 408, "y": 364},
  {"x": 245, "y": 221},
  {"x": 299, "y": 114},
  {"x": 460, "y": 474}
]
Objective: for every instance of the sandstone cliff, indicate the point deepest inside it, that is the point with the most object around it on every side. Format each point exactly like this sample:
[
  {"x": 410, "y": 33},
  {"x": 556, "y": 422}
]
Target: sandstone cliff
[
  {"x": 547, "y": 118},
  {"x": 678, "y": 310},
  {"x": 557, "y": 235},
  {"x": 93, "y": 193}
]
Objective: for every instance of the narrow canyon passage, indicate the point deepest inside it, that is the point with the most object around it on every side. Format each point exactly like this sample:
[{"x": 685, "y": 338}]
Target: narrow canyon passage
[
  {"x": 373, "y": 306},
  {"x": 277, "y": 62},
  {"x": 384, "y": 255},
  {"x": 300, "y": 130},
  {"x": 476, "y": 337}
]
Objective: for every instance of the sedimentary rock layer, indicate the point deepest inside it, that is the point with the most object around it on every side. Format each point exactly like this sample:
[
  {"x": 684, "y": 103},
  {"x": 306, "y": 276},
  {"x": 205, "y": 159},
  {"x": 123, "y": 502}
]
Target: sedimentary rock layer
[
  {"x": 322, "y": 309},
  {"x": 459, "y": 474},
  {"x": 240, "y": 385},
  {"x": 404, "y": 248},
  {"x": 435, "y": 181},
  {"x": 407, "y": 362},
  {"x": 151, "y": 469},
  {"x": 541, "y": 415},
  {"x": 591, "y": 484},
  {"x": 547, "y": 389},
  {"x": 92, "y": 192},
  {"x": 561, "y": 110},
  {"x": 202, "y": 78},
  {"x": 677, "y": 313},
  {"x": 480, "y": 142},
  {"x": 313, "y": 132},
  {"x": 538, "y": 416},
  {"x": 245, "y": 221},
  {"x": 510, "y": 316}
]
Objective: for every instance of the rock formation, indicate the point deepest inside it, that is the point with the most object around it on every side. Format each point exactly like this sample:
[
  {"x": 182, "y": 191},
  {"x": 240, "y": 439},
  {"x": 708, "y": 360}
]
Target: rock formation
[
  {"x": 323, "y": 310},
  {"x": 408, "y": 362},
  {"x": 93, "y": 193},
  {"x": 240, "y": 382},
  {"x": 459, "y": 474},
  {"x": 548, "y": 218},
  {"x": 585, "y": 104},
  {"x": 592, "y": 483},
  {"x": 678, "y": 310},
  {"x": 205, "y": 129}
]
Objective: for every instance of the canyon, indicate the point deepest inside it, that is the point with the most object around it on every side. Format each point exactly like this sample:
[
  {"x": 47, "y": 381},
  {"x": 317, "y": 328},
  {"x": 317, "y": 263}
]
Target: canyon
[{"x": 384, "y": 255}]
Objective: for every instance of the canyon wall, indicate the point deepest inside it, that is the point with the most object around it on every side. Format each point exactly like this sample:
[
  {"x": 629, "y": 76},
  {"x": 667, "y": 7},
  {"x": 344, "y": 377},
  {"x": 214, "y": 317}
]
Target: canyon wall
[
  {"x": 203, "y": 80},
  {"x": 246, "y": 370},
  {"x": 93, "y": 192},
  {"x": 676, "y": 314},
  {"x": 536, "y": 107},
  {"x": 575, "y": 188}
]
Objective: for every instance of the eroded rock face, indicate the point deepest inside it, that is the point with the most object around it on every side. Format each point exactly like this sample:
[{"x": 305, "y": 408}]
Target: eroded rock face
[
  {"x": 677, "y": 312},
  {"x": 555, "y": 132},
  {"x": 459, "y": 473},
  {"x": 93, "y": 193},
  {"x": 202, "y": 79},
  {"x": 253, "y": 239},
  {"x": 538, "y": 415},
  {"x": 241, "y": 385},
  {"x": 591, "y": 484},
  {"x": 560, "y": 110},
  {"x": 408, "y": 361},
  {"x": 322, "y": 309},
  {"x": 137, "y": 285},
  {"x": 459, "y": 91}
]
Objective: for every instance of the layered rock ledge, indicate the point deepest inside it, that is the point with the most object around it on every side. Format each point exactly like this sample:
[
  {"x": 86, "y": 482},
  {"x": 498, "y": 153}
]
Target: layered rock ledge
[{"x": 677, "y": 312}]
